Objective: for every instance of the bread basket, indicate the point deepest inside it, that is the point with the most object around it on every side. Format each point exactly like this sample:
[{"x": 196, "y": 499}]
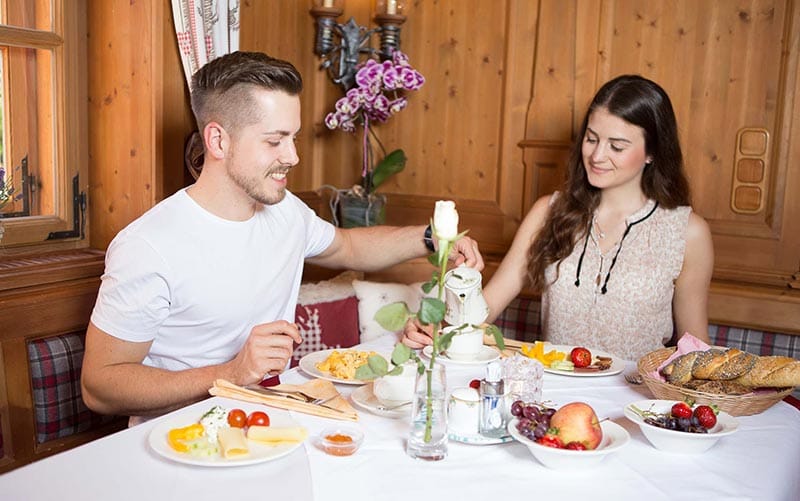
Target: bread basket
[{"x": 735, "y": 405}]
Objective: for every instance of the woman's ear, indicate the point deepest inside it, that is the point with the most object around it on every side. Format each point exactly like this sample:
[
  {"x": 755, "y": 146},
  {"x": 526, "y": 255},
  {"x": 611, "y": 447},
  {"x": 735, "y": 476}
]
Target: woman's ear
[{"x": 216, "y": 140}]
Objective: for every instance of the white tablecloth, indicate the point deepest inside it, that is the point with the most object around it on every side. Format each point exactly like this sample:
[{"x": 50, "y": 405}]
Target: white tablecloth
[{"x": 761, "y": 461}]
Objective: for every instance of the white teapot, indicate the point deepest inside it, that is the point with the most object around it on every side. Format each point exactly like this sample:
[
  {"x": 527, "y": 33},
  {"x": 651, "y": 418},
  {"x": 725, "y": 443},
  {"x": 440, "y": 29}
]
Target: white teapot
[{"x": 464, "y": 299}]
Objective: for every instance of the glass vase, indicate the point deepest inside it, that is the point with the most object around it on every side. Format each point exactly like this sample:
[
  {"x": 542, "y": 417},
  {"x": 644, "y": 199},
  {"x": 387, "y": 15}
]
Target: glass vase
[{"x": 427, "y": 439}]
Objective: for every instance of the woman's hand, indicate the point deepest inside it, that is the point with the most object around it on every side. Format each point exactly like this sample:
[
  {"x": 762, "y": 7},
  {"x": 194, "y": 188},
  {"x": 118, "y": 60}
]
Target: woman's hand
[{"x": 416, "y": 335}]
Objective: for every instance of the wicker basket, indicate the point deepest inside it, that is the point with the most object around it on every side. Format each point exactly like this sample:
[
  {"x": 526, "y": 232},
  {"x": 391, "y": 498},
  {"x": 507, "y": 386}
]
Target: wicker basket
[{"x": 735, "y": 405}]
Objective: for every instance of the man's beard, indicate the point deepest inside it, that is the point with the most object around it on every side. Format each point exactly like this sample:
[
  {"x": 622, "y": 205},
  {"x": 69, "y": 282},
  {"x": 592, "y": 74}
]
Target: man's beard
[{"x": 255, "y": 188}]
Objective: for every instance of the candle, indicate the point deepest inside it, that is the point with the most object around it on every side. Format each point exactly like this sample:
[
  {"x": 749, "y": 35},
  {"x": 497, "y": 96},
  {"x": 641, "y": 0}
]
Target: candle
[{"x": 391, "y": 6}]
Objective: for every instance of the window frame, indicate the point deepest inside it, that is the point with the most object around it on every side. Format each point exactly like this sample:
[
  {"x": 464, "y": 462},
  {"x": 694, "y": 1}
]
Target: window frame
[{"x": 68, "y": 139}]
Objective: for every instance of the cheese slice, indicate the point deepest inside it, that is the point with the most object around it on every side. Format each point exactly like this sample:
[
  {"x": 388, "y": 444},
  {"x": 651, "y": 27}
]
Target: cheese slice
[
  {"x": 274, "y": 435},
  {"x": 232, "y": 442}
]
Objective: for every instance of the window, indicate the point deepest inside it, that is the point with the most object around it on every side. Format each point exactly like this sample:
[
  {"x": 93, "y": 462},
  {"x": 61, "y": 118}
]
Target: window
[{"x": 43, "y": 152}]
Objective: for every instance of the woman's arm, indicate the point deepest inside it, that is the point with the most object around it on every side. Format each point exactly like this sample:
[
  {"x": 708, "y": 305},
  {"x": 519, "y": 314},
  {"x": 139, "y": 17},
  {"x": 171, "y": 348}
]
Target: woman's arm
[
  {"x": 690, "y": 300},
  {"x": 511, "y": 275}
]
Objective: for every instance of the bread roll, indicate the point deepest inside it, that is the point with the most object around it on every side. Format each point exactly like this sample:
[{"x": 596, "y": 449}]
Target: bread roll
[
  {"x": 718, "y": 387},
  {"x": 772, "y": 372},
  {"x": 722, "y": 365},
  {"x": 679, "y": 371}
]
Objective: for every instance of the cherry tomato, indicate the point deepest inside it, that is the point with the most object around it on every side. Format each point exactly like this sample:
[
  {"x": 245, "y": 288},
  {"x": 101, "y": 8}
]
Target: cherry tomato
[
  {"x": 258, "y": 418},
  {"x": 581, "y": 357},
  {"x": 237, "y": 418}
]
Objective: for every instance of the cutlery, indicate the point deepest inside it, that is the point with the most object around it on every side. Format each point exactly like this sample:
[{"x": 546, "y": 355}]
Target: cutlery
[
  {"x": 296, "y": 395},
  {"x": 384, "y": 408},
  {"x": 633, "y": 378}
]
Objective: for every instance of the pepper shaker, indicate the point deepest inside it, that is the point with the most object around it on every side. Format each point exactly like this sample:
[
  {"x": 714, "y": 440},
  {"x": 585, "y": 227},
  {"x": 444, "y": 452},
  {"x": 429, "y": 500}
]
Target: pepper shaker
[{"x": 493, "y": 418}]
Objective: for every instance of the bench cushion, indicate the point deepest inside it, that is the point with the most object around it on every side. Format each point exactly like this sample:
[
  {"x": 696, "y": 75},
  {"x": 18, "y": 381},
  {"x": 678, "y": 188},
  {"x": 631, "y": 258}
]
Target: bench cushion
[{"x": 55, "y": 364}]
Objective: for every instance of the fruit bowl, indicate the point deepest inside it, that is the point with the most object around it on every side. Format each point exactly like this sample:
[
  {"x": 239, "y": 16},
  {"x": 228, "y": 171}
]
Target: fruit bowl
[
  {"x": 679, "y": 441},
  {"x": 614, "y": 438}
]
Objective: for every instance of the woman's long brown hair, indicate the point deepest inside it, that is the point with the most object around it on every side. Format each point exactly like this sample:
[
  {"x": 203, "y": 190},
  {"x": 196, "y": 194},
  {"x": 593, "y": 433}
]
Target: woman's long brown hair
[{"x": 640, "y": 102}]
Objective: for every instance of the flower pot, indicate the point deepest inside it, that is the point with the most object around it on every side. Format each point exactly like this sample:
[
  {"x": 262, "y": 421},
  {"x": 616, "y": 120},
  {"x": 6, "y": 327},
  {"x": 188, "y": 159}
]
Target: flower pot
[{"x": 356, "y": 210}]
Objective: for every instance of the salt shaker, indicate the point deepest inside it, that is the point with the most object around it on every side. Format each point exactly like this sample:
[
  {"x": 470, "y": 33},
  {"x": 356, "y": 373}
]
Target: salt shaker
[{"x": 493, "y": 418}]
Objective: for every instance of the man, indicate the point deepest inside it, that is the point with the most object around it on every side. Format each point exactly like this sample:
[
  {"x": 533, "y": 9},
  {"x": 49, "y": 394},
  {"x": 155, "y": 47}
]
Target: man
[{"x": 204, "y": 285}]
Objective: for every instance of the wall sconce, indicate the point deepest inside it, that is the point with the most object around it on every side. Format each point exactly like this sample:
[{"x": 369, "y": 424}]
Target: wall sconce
[{"x": 341, "y": 45}]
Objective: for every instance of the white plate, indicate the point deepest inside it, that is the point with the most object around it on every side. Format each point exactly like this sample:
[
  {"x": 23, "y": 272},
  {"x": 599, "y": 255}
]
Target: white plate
[
  {"x": 364, "y": 398},
  {"x": 617, "y": 364},
  {"x": 309, "y": 365},
  {"x": 614, "y": 438},
  {"x": 479, "y": 439},
  {"x": 259, "y": 452},
  {"x": 679, "y": 441},
  {"x": 486, "y": 355}
]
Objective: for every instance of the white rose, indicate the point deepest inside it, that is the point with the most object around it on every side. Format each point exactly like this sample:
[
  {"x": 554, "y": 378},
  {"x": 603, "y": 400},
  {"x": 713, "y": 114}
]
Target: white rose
[{"x": 445, "y": 220}]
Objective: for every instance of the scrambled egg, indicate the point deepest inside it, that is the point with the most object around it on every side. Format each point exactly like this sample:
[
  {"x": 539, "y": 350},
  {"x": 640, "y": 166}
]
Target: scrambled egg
[{"x": 343, "y": 364}]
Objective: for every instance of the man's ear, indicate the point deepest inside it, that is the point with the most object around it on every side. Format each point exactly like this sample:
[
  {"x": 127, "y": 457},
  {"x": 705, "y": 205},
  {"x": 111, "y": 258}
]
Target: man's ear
[{"x": 216, "y": 139}]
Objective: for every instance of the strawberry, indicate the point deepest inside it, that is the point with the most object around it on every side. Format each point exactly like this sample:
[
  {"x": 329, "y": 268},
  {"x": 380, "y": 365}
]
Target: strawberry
[
  {"x": 581, "y": 357},
  {"x": 475, "y": 383},
  {"x": 681, "y": 410},
  {"x": 551, "y": 441},
  {"x": 575, "y": 446},
  {"x": 706, "y": 416}
]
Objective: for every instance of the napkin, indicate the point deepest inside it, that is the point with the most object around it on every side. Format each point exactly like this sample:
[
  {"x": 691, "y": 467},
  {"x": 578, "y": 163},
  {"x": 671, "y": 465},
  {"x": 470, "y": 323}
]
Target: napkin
[
  {"x": 686, "y": 344},
  {"x": 338, "y": 408}
]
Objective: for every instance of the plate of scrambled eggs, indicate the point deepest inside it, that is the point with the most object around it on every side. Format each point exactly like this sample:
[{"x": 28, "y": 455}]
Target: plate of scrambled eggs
[{"x": 338, "y": 365}]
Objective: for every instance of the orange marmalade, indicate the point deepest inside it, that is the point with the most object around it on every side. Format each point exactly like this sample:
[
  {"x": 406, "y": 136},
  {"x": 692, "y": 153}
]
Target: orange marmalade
[{"x": 339, "y": 444}]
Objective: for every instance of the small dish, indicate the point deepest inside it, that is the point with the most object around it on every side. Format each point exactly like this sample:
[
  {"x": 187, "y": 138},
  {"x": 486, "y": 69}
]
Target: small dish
[
  {"x": 364, "y": 398},
  {"x": 679, "y": 441},
  {"x": 614, "y": 438},
  {"x": 478, "y": 439},
  {"x": 340, "y": 440}
]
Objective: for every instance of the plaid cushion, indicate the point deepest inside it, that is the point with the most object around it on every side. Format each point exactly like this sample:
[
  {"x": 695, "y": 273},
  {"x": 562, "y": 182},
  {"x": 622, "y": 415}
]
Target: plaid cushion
[
  {"x": 756, "y": 342},
  {"x": 55, "y": 364},
  {"x": 520, "y": 320}
]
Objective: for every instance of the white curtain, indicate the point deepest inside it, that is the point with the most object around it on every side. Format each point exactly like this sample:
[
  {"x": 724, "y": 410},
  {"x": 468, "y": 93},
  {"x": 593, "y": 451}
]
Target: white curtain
[{"x": 206, "y": 29}]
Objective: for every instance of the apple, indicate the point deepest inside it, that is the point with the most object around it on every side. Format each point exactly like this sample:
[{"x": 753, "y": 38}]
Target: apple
[{"x": 577, "y": 422}]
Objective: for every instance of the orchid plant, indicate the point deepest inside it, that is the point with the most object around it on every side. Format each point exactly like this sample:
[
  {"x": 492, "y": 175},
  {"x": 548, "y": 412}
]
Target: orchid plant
[
  {"x": 394, "y": 316},
  {"x": 376, "y": 96}
]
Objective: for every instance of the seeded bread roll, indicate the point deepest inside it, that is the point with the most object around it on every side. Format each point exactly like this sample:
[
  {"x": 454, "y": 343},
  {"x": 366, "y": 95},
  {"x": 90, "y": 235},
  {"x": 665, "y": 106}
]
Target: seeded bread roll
[
  {"x": 679, "y": 371},
  {"x": 772, "y": 372},
  {"x": 718, "y": 387},
  {"x": 722, "y": 365}
]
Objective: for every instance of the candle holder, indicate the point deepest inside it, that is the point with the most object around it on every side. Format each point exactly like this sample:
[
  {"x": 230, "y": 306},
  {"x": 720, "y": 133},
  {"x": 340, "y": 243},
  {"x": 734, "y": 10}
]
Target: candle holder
[{"x": 341, "y": 45}]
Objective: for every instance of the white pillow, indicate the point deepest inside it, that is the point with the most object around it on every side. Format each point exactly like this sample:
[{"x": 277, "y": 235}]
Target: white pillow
[
  {"x": 334, "y": 289},
  {"x": 372, "y": 296}
]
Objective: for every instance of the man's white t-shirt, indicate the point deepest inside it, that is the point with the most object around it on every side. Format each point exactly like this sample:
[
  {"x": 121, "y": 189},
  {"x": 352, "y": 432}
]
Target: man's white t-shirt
[{"x": 195, "y": 284}]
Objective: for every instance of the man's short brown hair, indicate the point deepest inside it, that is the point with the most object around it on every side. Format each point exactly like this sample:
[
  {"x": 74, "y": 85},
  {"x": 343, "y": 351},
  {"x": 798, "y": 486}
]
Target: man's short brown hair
[{"x": 221, "y": 90}]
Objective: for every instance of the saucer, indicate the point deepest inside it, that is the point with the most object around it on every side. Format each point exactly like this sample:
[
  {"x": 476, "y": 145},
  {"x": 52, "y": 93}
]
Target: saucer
[
  {"x": 363, "y": 398},
  {"x": 479, "y": 439},
  {"x": 486, "y": 355}
]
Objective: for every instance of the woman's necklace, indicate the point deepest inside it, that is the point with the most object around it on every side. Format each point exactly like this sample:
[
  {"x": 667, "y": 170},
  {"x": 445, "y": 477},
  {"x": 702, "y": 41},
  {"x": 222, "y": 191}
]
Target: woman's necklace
[{"x": 600, "y": 233}]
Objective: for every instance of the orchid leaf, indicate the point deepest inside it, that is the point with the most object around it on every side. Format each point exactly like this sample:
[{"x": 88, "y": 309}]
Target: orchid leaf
[
  {"x": 431, "y": 310},
  {"x": 393, "y": 316},
  {"x": 365, "y": 373},
  {"x": 428, "y": 286},
  {"x": 391, "y": 164},
  {"x": 378, "y": 364}
]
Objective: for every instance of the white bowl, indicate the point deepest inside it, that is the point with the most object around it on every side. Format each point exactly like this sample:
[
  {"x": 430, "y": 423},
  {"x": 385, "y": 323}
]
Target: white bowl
[
  {"x": 679, "y": 441},
  {"x": 614, "y": 438}
]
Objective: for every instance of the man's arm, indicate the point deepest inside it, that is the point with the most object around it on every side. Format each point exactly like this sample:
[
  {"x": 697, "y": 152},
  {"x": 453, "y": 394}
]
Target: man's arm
[
  {"x": 378, "y": 247},
  {"x": 114, "y": 380}
]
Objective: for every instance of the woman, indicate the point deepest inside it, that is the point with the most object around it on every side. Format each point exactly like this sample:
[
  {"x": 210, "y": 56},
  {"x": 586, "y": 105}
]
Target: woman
[{"x": 618, "y": 255}]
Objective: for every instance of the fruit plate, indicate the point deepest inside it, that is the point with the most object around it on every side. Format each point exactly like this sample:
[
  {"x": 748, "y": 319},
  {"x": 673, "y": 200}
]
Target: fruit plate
[
  {"x": 614, "y": 438},
  {"x": 679, "y": 441},
  {"x": 617, "y": 364}
]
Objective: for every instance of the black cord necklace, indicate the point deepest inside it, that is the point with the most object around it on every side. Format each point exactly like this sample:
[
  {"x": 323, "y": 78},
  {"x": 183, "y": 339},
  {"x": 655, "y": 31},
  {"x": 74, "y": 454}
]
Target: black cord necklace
[{"x": 628, "y": 227}]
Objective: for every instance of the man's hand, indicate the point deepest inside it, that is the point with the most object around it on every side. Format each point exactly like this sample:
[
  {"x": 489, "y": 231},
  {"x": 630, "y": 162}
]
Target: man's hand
[
  {"x": 416, "y": 335},
  {"x": 465, "y": 251},
  {"x": 266, "y": 351}
]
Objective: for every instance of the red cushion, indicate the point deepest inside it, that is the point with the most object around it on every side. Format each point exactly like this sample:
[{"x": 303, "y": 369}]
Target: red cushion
[{"x": 327, "y": 325}]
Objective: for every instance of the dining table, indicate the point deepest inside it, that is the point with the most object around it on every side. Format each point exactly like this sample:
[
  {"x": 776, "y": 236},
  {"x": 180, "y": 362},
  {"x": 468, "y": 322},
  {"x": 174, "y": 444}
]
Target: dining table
[{"x": 760, "y": 461}]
